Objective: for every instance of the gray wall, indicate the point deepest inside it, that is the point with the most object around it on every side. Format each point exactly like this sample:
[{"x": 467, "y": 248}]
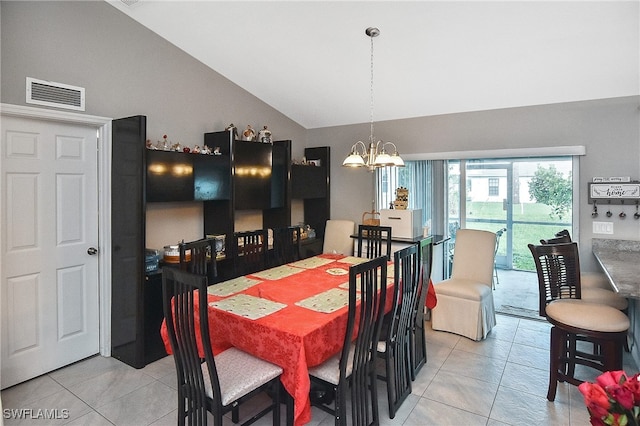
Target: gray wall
[
  {"x": 609, "y": 129},
  {"x": 127, "y": 70}
]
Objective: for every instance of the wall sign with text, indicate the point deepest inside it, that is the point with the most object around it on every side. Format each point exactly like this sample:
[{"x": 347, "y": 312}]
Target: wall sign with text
[{"x": 616, "y": 193}]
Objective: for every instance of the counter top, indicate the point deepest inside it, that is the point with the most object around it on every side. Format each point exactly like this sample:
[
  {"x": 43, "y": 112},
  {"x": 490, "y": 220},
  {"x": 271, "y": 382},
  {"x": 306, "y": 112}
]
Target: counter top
[{"x": 620, "y": 261}]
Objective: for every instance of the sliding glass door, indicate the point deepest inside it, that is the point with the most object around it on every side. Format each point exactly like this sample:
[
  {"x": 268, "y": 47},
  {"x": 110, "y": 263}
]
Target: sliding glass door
[{"x": 521, "y": 199}]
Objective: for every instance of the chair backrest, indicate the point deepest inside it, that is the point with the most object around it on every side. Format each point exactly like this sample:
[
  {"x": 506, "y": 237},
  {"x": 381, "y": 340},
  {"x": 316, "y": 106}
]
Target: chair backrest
[
  {"x": 474, "y": 255},
  {"x": 185, "y": 312},
  {"x": 286, "y": 245},
  {"x": 199, "y": 257},
  {"x": 377, "y": 240},
  {"x": 558, "y": 268},
  {"x": 425, "y": 254},
  {"x": 406, "y": 296},
  {"x": 250, "y": 251},
  {"x": 368, "y": 280},
  {"x": 562, "y": 239},
  {"x": 337, "y": 237},
  {"x": 426, "y": 259}
]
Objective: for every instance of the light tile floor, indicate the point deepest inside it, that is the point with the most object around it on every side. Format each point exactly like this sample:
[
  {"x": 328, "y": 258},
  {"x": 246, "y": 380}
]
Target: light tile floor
[{"x": 499, "y": 381}]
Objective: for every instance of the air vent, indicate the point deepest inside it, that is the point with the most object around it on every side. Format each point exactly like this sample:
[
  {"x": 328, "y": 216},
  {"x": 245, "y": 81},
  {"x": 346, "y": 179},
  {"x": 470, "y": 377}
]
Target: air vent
[{"x": 52, "y": 94}]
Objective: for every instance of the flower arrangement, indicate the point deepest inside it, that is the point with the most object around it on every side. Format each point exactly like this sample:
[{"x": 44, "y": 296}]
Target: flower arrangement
[{"x": 614, "y": 399}]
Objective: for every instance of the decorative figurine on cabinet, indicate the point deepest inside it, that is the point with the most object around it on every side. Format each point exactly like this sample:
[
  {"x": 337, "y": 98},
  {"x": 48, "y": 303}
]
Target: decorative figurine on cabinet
[
  {"x": 264, "y": 135},
  {"x": 249, "y": 134},
  {"x": 233, "y": 129}
]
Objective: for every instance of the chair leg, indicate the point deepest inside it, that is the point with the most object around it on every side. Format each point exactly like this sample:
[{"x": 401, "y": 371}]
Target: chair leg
[
  {"x": 555, "y": 351},
  {"x": 276, "y": 402}
]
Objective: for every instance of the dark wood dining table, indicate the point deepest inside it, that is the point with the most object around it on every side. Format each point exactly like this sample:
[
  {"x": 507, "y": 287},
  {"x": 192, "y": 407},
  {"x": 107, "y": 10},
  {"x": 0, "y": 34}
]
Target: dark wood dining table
[{"x": 292, "y": 315}]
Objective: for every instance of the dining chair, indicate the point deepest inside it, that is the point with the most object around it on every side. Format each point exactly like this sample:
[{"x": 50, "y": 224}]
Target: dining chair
[
  {"x": 208, "y": 383},
  {"x": 396, "y": 348},
  {"x": 588, "y": 279},
  {"x": 417, "y": 336},
  {"x": 577, "y": 325},
  {"x": 250, "y": 251},
  {"x": 351, "y": 372},
  {"x": 337, "y": 237},
  {"x": 199, "y": 257},
  {"x": 286, "y": 245},
  {"x": 374, "y": 241},
  {"x": 465, "y": 301},
  {"x": 496, "y": 279}
]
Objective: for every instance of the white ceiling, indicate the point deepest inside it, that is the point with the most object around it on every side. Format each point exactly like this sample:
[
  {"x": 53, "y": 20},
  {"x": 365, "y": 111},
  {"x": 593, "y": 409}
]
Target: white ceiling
[{"x": 311, "y": 59}]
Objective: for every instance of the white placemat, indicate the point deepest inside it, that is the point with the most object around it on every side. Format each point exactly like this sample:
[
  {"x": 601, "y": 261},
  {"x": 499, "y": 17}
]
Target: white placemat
[
  {"x": 227, "y": 288},
  {"x": 327, "y": 301},
  {"x": 248, "y": 306},
  {"x": 277, "y": 273},
  {"x": 311, "y": 262}
]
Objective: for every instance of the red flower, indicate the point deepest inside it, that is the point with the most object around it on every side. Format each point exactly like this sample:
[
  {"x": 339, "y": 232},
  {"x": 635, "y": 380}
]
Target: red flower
[
  {"x": 633, "y": 384},
  {"x": 164, "y": 136},
  {"x": 621, "y": 395},
  {"x": 595, "y": 398},
  {"x": 609, "y": 378}
]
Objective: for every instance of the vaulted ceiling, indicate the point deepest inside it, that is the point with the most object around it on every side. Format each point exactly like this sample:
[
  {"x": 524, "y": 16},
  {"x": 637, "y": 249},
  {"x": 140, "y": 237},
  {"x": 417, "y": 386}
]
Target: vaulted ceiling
[{"x": 311, "y": 59}]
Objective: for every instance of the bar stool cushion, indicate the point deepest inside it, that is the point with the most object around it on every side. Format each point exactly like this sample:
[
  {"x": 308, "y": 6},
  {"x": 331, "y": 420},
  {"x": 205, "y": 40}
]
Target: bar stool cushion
[
  {"x": 604, "y": 297},
  {"x": 587, "y": 316}
]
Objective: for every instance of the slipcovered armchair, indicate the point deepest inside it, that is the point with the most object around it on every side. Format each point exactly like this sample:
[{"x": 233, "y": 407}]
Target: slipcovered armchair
[
  {"x": 465, "y": 301},
  {"x": 337, "y": 237}
]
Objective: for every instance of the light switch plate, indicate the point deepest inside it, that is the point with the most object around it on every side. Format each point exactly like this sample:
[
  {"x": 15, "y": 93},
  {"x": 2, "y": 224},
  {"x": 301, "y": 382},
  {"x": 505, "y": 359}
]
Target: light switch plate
[{"x": 603, "y": 228}]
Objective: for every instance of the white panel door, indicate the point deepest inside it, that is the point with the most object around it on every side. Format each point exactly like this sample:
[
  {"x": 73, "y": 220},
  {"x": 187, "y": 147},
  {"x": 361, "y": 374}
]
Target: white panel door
[{"x": 49, "y": 212}]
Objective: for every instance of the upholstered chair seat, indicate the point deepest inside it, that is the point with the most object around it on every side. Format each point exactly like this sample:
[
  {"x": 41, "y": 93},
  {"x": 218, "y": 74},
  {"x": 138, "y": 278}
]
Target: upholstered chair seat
[{"x": 233, "y": 385}]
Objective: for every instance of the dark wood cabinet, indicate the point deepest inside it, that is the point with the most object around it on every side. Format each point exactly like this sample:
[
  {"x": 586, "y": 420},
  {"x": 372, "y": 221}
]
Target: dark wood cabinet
[
  {"x": 128, "y": 240},
  {"x": 311, "y": 184},
  {"x": 140, "y": 175}
]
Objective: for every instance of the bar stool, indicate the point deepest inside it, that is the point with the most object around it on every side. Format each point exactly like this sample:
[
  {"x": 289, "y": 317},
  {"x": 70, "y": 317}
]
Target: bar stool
[
  {"x": 575, "y": 320},
  {"x": 599, "y": 324}
]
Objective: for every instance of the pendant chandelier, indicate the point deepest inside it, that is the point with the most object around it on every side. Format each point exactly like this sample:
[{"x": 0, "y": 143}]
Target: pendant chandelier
[{"x": 375, "y": 155}]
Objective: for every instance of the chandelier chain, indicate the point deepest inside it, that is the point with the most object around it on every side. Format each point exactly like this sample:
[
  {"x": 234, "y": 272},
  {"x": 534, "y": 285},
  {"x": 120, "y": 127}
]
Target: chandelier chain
[{"x": 371, "y": 94}]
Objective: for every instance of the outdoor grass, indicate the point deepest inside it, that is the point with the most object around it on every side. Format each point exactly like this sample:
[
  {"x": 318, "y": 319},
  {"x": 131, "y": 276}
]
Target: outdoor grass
[{"x": 531, "y": 223}]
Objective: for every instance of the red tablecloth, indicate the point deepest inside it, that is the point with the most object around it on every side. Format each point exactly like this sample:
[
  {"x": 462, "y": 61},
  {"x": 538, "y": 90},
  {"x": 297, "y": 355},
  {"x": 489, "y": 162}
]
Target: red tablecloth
[{"x": 294, "y": 337}]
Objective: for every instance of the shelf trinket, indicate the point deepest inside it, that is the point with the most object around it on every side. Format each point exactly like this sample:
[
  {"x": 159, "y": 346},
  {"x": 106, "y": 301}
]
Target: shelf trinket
[
  {"x": 264, "y": 135},
  {"x": 249, "y": 134}
]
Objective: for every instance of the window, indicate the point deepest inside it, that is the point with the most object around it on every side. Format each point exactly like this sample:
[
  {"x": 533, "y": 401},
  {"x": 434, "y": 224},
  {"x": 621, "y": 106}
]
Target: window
[
  {"x": 504, "y": 197},
  {"x": 494, "y": 188}
]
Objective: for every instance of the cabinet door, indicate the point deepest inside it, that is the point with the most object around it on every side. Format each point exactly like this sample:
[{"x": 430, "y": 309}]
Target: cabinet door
[
  {"x": 169, "y": 176},
  {"x": 252, "y": 175},
  {"x": 308, "y": 181},
  {"x": 128, "y": 239}
]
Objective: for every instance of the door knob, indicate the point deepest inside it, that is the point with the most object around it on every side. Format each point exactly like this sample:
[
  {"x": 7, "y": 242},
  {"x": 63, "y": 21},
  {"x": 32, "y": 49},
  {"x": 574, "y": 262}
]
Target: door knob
[{"x": 92, "y": 251}]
